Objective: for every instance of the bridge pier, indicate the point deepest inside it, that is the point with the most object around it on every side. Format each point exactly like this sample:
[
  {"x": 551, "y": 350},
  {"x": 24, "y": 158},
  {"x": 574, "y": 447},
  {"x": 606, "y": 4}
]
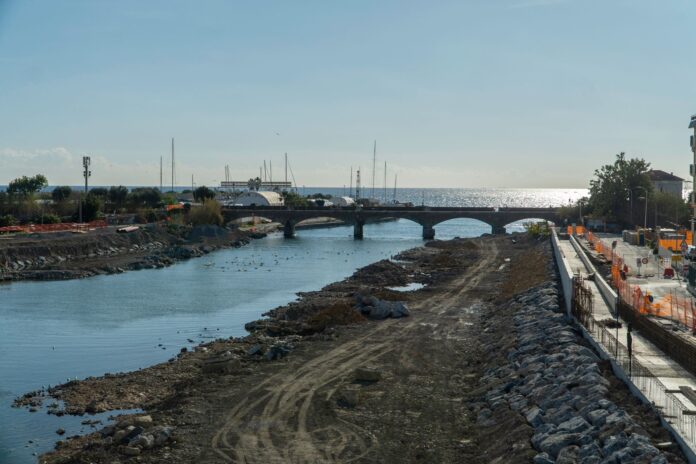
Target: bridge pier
[
  {"x": 428, "y": 232},
  {"x": 358, "y": 230},
  {"x": 498, "y": 230},
  {"x": 289, "y": 229}
]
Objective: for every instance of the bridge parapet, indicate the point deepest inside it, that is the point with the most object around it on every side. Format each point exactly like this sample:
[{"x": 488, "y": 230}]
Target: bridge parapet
[{"x": 428, "y": 218}]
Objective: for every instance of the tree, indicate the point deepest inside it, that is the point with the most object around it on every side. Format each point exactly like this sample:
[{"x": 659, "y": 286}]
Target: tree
[
  {"x": 292, "y": 199},
  {"x": 26, "y": 186},
  {"x": 254, "y": 184},
  {"x": 203, "y": 193},
  {"x": 615, "y": 185},
  {"x": 145, "y": 197},
  {"x": 60, "y": 194},
  {"x": 665, "y": 209},
  {"x": 100, "y": 192},
  {"x": 117, "y": 196},
  {"x": 91, "y": 206}
]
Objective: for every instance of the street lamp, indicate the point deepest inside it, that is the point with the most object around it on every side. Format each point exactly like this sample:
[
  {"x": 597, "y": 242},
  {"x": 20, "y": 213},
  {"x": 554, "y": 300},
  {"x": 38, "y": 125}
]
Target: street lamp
[{"x": 645, "y": 223}]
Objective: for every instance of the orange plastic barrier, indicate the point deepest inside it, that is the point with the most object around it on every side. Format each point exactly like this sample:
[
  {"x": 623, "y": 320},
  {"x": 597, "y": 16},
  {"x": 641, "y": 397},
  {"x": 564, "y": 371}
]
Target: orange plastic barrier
[
  {"x": 579, "y": 230},
  {"x": 60, "y": 227},
  {"x": 671, "y": 306}
]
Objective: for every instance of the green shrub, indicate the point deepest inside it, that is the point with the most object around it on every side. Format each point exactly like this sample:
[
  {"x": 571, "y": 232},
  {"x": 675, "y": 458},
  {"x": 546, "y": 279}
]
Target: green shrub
[
  {"x": 145, "y": 215},
  {"x": 8, "y": 220},
  {"x": 50, "y": 219},
  {"x": 538, "y": 229},
  {"x": 209, "y": 213}
]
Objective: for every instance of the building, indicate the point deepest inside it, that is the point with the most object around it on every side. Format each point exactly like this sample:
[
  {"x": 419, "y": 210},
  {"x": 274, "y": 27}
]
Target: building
[
  {"x": 253, "y": 198},
  {"x": 666, "y": 182},
  {"x": 263, "y": 185}
]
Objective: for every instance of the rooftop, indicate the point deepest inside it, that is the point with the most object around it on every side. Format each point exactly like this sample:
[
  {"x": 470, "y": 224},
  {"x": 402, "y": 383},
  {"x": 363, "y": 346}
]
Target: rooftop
[{"x": 658, "y": 175}]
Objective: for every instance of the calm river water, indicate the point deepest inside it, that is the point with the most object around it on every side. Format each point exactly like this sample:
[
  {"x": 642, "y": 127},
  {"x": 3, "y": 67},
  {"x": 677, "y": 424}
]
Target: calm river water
[{"x": 53, "y": 331}]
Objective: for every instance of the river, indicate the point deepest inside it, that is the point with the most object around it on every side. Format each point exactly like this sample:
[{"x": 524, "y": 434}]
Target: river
[{"x": 54, "y": 331}]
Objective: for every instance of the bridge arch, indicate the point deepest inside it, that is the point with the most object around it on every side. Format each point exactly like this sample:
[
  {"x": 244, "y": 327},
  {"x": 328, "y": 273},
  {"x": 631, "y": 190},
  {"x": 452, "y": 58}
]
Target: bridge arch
[
  {"x": 519, "y": 224},
  {"x": 462, "y": 227}
]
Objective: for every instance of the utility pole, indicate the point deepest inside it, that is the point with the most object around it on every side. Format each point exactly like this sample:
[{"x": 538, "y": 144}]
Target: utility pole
[{"x": 692, "y": 125}]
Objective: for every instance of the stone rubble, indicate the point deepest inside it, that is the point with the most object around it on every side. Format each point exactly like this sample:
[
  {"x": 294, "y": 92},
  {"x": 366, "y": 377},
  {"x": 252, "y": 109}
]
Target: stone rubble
[{"x": 555, "y": 383}]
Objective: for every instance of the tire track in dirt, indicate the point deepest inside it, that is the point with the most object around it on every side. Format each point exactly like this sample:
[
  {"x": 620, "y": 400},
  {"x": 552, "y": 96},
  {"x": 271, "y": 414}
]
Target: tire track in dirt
[{"x": 272, "y": 422}]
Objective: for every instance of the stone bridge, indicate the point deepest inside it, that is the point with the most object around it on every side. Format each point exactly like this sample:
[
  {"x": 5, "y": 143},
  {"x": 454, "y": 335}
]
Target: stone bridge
[{"x": 427, "y": 217}]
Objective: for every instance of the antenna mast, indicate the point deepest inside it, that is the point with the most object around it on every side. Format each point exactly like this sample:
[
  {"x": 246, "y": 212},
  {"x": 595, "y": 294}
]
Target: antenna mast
[{"x": 357, "y": 184}]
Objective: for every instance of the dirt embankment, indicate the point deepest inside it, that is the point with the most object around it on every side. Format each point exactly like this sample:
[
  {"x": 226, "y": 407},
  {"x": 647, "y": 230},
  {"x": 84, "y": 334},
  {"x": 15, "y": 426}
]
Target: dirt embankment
[
  {"x": 68, "y": 255},
  {"x": 329, "y": 378}
]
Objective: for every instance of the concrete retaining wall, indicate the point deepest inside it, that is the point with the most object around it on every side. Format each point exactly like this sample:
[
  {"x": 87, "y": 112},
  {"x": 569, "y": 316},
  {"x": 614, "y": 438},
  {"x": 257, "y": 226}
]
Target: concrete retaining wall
[
  {"x": 564, "y": 270},
  {"x": 605, "y": 289}
]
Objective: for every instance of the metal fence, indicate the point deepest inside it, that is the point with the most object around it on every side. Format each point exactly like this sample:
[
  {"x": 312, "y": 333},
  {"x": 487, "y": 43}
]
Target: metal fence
[{"x": 672, "y": 409}]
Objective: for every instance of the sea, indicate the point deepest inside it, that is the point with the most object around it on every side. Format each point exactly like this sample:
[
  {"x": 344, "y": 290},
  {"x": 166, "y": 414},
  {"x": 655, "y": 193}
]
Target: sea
[{"x": 51, "y": 332}]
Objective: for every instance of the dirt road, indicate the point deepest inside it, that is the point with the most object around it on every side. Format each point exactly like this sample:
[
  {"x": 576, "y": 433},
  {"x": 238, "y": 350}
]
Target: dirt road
[{"x": 276, "y": 421}]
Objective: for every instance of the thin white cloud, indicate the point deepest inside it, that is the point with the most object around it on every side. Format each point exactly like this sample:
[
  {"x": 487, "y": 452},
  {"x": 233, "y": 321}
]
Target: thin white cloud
[{"x": 14, "y": 156}]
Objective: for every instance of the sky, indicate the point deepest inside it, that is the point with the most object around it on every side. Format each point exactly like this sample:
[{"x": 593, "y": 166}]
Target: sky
[{"x": 467, "y": 93}]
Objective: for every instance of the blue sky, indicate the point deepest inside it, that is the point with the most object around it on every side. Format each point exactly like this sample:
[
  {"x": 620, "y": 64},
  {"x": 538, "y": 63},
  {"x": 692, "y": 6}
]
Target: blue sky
[{"x": 519, "y": 93}]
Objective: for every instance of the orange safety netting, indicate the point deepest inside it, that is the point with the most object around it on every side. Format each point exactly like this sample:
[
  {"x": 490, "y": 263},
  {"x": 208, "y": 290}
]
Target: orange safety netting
[
  {"x": 579, "y": 230},
  {"x": 63, "y": 226},
  {"x": 671, "y": 305}
]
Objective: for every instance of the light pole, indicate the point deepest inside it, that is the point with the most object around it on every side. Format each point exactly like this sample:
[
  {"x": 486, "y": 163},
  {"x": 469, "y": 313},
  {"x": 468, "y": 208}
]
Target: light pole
[
  {"x": 692, "y": 125},
  {"x": 645, "y": 223}
]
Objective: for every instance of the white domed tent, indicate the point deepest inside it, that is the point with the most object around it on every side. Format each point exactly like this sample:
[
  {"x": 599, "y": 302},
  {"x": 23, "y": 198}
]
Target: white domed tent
[{"x": 252, "y": 198}]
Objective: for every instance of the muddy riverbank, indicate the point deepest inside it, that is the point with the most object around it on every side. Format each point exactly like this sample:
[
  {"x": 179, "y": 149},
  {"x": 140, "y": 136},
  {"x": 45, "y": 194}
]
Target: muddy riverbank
[
  {"x": 359, "y": 371},
  {"x": 69, "y": 255}
]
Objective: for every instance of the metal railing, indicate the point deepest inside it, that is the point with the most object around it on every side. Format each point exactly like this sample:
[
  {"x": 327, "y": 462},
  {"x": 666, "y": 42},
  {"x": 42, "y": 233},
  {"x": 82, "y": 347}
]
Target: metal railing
[{"x": 671, "y": 408}]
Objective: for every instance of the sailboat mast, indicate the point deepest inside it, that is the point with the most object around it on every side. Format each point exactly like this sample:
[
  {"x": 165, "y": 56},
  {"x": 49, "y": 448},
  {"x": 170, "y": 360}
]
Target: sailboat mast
[
  {"x": 160, "y": 174},
  {"x": 374, "y": 160},
  {"x": 385, "y": 181},
  {"x": 394, "y": 188},
  {"x": 173, "y": 166},
  {"x": 286, "y": 168}
]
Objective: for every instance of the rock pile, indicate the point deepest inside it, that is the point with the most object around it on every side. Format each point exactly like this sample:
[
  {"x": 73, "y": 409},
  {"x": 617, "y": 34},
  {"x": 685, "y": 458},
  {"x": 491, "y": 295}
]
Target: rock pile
[
  {"x": 554, "y": 382},
  {"x": 374, "y": 308},
  {"x": 132, "y": 435}
]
